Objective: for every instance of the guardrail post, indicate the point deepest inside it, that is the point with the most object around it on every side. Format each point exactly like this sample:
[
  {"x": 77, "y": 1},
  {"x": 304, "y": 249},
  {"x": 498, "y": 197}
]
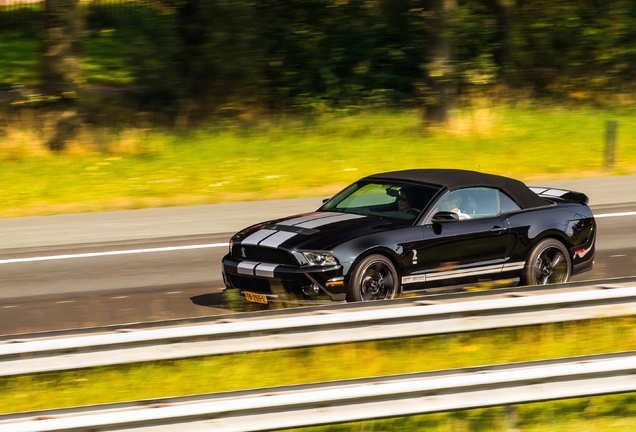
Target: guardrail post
[
  {"x": 512, "y": 420},
  {"x": 610, "y": 143}
]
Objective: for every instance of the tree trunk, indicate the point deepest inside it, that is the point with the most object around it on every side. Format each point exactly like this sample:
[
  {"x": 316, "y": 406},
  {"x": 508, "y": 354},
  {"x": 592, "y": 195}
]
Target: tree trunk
[
  {"x": 441, "y": 68},
  {"x": 505, "y": 53},
  {"x": 61, "y": 68}
]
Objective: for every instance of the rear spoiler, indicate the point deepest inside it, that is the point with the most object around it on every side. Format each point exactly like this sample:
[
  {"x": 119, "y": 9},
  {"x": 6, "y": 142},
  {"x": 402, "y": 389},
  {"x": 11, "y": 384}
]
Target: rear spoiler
[{"x": 561, "y": 195}]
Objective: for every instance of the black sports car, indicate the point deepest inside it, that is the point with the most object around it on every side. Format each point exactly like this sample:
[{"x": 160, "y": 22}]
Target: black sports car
[{"x": 416, "y": 230}]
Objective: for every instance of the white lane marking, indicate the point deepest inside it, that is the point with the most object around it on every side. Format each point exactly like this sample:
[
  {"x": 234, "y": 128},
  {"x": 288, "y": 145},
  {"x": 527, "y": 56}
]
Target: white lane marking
[
  {"x": 615, "y": 214},
  {"x": 617, "y": 256},
  {"x": 176, "y": 248},
  {"x": 119, "y": 252},
  {"x": 8, "y": 307}
]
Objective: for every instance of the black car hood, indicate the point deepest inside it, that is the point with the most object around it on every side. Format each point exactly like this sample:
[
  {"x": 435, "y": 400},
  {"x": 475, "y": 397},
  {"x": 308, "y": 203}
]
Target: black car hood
[{"x": 312, "y": 231}]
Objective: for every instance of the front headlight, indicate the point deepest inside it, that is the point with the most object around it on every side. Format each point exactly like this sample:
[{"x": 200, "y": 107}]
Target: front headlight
[
  {"x": 320, "y": 258},
  {"x": 231, "y": 246}
]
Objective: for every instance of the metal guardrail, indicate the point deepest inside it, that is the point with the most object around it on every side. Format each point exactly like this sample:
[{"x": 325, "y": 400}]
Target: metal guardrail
[
  {"x": 382, "y": 321},
  {"x": 351, "y": 400}
]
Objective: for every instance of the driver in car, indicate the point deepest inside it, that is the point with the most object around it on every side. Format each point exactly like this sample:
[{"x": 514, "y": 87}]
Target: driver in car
[{"x": 404, "y": 202}]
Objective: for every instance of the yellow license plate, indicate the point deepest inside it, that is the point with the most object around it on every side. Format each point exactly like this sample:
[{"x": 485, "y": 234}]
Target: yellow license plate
[{"x": 255, "y": 298}]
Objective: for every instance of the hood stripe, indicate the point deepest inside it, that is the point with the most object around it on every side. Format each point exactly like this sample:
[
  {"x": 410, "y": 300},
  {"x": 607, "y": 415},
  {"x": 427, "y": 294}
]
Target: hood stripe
[
  {"x": 329, "y": 220},
  {"x": 302, "y": 219},
  {"x": 273, "y": 238},
  {"x": 256, "y": 237},
  {"x": 277, "y": 239}
]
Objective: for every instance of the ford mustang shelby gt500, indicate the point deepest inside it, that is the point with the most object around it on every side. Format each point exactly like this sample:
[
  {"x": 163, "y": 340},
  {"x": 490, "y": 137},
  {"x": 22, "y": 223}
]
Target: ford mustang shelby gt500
[{"x": 416, "y": 230}]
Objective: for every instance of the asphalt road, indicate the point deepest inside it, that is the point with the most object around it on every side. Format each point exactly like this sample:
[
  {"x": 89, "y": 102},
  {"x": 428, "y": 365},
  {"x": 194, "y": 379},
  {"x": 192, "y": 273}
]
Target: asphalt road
[{"x": 118, "y": 267}]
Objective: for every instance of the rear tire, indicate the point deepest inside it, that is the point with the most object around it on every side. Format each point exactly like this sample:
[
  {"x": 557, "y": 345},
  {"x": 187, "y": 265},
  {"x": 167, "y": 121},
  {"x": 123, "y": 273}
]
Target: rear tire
[
  {"x": 548, "y": 263},
  {"x": 373, "y": 278}
]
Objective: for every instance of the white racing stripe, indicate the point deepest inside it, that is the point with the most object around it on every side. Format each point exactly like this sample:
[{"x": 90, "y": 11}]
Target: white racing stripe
[
  {"x": 265, "y": 270},
  {"x": 276, "y": 239},
  {"x": 329, "y": 220},
  {"x": 257, "y": 236},
  {"x": 119, "y": 252},
  {"x": 246, "y": 267},
  {"x": 302, "y": 219}
]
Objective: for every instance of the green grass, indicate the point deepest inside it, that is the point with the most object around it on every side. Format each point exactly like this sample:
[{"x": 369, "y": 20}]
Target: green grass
[
  {"x": 603, "y": 413},
  {"x": 19, "y": 61},
  {"x": 335, "y": 362},
  {"x": 103, "y": 60},
  {"x": 109, "y": 169}
]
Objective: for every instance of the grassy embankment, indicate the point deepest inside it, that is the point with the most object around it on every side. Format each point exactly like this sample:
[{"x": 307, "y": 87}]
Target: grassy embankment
[{"x": 289, "y": 158}]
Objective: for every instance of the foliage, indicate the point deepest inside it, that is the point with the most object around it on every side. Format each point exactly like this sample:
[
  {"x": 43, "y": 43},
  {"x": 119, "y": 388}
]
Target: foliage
[{"x": 194, "y": 57}]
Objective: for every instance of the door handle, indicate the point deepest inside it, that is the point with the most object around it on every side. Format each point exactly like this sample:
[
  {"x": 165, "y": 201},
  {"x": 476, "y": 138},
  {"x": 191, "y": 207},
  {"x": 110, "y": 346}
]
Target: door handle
[{"x": 497, "y": 229}]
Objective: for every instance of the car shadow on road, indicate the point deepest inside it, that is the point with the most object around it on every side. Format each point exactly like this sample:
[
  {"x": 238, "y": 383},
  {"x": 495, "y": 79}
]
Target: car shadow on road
[
  {"x": 230, "y": 299},
  {"x": 209, "y": 300}
]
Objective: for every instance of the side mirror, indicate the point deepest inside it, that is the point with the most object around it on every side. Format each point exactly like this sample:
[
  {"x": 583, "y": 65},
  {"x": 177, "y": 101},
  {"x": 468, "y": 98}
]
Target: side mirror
[{"x": 445, "y": 216}]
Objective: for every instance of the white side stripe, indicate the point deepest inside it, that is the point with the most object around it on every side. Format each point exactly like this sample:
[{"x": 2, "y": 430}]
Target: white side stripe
[
  {"x": 490, "y": 269},
  {"x": 464, "y": 273},
  {"x": 514, "y": 266}
]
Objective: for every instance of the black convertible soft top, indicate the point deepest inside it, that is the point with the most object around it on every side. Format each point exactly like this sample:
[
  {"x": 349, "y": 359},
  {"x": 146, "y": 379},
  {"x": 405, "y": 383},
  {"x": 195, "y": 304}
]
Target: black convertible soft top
[{"x": 455, "y": 179}]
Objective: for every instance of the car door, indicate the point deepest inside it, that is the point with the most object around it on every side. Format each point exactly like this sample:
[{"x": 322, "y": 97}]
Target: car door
[{"x": 467, "y": 250}]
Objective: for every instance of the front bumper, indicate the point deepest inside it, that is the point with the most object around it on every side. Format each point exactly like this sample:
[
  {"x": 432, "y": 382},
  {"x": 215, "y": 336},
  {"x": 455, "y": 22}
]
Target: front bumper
[{"x": 273, "y": 280}]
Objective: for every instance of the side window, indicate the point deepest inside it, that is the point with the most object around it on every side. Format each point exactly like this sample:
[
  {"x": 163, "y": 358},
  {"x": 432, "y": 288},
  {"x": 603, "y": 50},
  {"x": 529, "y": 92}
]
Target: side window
[
  {"x": 507, "y": 204},
  {"x": 460, "y": 201},
  {"x": 471, "y": 203}
]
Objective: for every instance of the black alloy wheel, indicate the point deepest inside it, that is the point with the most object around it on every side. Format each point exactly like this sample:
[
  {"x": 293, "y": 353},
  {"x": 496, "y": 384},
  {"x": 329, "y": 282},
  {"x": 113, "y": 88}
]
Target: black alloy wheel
[
  {"x": 374, "y": 278},
  {"x": 549, "y": 263}
]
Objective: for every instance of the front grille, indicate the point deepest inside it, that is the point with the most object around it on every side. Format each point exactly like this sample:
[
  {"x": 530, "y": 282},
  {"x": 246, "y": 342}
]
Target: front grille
[
  {"x": 263, "y": 254},
  {"x": 245, "y": 283},
  {"x": 263, "y": 285}
]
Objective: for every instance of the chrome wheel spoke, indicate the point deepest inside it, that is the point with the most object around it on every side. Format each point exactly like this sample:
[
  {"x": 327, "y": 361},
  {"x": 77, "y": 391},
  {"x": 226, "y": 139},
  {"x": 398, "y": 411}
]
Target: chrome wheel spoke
[
  {"x": 550, "y": 267},
  {"x": 377, "y": 282}
]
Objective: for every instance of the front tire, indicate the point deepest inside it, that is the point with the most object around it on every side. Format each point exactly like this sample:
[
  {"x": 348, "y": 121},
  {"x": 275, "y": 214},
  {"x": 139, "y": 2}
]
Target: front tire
[
  {"x": 548, "y": 263},
  {"x": 373, "y": 278}
]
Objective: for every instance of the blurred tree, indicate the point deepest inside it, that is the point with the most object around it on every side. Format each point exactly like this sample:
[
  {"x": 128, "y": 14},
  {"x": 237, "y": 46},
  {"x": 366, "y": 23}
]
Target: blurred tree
[
  {"x": 229, "y": 57},
  {"x": 573, "y": 48},
  {"x": 504, "y": 50},
  {"x": 440, "y": 71},
  {"x": 61, "y": 69}
]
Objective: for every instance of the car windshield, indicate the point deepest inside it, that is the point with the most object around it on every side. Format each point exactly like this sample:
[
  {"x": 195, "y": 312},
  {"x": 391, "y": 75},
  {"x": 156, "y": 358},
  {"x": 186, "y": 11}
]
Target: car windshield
[{"x": 400, "y": 202}]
